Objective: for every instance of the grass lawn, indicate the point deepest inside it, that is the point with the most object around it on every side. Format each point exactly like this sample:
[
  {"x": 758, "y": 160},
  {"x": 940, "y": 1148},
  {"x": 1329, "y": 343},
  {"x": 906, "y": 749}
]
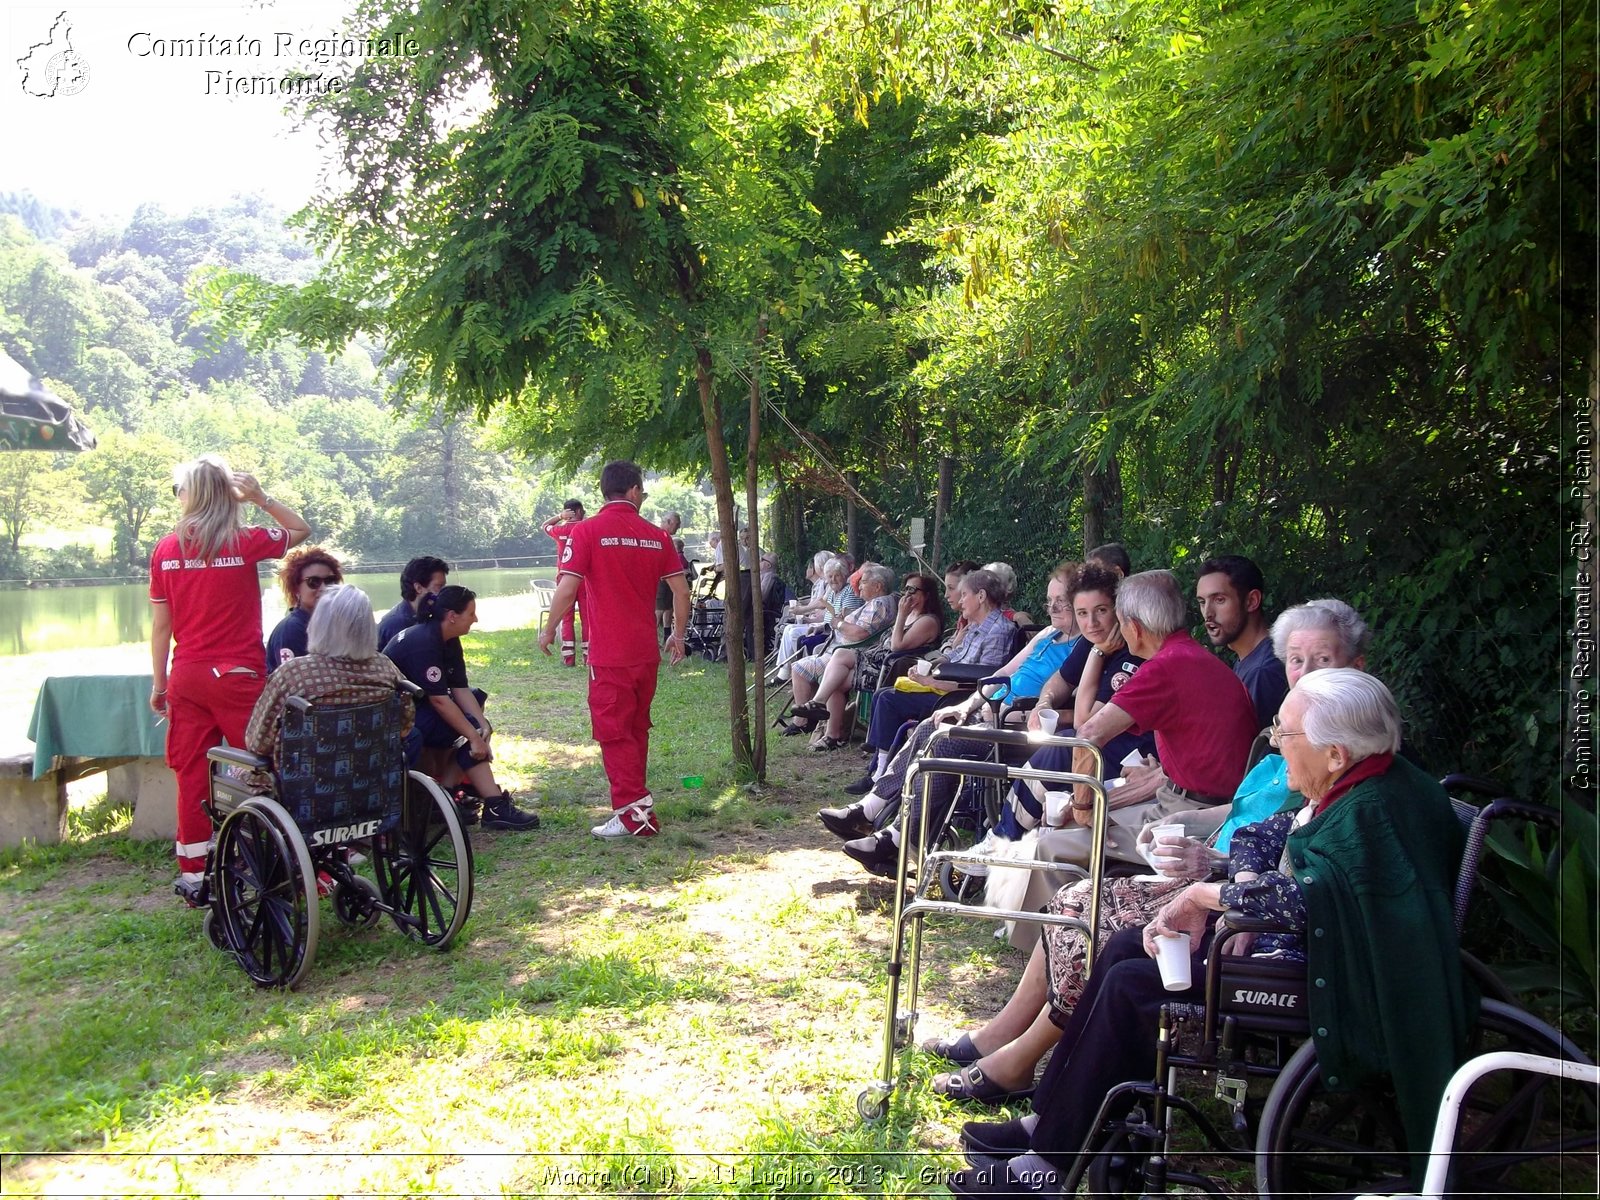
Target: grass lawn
[{"x": 689, "y": 1015}]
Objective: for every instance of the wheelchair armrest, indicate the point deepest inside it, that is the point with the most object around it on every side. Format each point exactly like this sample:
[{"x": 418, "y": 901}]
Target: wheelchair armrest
[
  {"x": 966, "y": 675},
  {"x": 1234, "y": 921},
  {"x": 406, "y": 688},
  {"x": 238, "y": 758}
]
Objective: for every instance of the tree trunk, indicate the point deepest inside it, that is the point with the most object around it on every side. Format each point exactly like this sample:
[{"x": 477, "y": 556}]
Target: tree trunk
[
  {"x": 447, "y": 463},
  {"x": 1094, "y": 508},
  {"x": 941, "y": 507},
  {"x": 733, "y": 632},
  {"x": 758, "y": 638},
  {"x": 850, "y": 516}
]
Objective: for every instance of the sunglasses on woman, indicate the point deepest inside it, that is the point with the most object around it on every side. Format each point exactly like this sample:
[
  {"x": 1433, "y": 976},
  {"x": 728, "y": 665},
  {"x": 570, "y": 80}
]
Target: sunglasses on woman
[{"x": 315, "y": 582}]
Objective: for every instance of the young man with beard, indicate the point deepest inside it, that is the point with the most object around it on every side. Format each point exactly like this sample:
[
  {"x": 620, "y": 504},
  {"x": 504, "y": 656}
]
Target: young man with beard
[{"x": 1230, "y": 592}]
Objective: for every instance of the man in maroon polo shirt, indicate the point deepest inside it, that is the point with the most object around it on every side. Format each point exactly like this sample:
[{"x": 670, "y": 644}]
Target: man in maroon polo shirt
[
  {"x": 1202, "y": 716},
  {"x": 619, "y": 557}
]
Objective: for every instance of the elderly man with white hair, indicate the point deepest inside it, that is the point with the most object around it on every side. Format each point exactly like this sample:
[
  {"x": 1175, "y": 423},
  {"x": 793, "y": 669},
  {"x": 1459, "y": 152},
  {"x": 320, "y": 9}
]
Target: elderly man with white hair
[{"x": 1362, "y": 877}]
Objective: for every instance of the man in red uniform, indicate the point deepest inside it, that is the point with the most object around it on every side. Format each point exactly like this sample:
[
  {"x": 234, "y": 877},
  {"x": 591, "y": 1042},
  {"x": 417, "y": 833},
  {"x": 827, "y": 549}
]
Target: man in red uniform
[
  {"x": 618, "y": 557},
  {"x": 560, "y": 528}
]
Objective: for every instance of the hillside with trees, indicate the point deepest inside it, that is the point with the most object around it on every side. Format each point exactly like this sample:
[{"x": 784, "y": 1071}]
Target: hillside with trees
[{"x": 107, "y": 317}]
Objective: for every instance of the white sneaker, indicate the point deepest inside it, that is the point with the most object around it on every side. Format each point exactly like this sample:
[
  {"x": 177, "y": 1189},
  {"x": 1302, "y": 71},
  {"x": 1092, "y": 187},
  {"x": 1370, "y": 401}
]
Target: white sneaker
[{"x": 636, "y": 820}]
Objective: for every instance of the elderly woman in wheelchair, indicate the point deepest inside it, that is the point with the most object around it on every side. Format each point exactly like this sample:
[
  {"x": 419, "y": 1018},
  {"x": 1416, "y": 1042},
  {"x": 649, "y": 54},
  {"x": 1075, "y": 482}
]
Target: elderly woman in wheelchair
[
  {"x": 1360, "y": 880},
  {"x": 320, "y": 791},
  {"x": 1000, "y": 1058}
]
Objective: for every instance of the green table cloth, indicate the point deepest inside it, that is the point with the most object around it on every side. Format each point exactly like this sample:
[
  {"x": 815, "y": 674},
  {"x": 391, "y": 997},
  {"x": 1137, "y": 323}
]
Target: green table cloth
[{"x": 94, "y": 716}]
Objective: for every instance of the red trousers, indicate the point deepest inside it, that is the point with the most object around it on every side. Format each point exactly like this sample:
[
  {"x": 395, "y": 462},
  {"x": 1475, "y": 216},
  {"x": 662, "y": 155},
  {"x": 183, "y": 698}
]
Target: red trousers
[
  {"x": 205, "y": 704},
  {"x": 619, "y": 716}
]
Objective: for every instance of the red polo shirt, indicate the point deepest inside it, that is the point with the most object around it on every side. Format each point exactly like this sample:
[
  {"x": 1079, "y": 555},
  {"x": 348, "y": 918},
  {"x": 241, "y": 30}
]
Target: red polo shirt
[
  {"x": 1203, "y": 718},
  {"x": 215, "y": 606},
  {"x": 620, "y": 557}
]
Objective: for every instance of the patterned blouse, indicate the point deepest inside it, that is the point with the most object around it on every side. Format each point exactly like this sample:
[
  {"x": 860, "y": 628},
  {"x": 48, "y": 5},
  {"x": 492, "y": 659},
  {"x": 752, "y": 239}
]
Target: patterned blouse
[
  {"x": 325, "y": 680},
  {"x": 1273, "y": 895},
  {"x": 875, "y": 616},
  {"x": 987, "y": 643}
]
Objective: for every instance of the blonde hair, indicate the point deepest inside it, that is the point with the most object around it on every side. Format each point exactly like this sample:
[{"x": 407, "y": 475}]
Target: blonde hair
[{"x": 210, "y": 520}]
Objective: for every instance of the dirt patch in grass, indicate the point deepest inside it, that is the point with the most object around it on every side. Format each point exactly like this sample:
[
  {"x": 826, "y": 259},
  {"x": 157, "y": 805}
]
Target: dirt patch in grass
[{"x": 717, "y": 990}]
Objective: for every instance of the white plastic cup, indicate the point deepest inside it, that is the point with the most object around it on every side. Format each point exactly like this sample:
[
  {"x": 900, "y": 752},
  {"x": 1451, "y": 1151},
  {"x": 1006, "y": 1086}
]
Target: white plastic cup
[
  {"x": 1172, "y": 956},
  {"x": 1132, "y": 759},
  {"x": 925, "y": 666},
  {"x": 1048, "y": 719},
  {"x": 1057, "y": 808},
  {"x": 1173, "y": 829}
]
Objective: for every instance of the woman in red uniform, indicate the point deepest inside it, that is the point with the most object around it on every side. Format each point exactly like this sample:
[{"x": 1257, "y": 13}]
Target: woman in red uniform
[{"x": 205, "y": 597}]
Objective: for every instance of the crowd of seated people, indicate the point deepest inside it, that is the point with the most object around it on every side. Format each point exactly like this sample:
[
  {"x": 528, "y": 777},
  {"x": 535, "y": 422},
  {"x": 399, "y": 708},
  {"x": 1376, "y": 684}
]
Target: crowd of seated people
[
  {"x": 1177, "y": 723},
  {"x": 822, "y": 680},
  {"x": 1380, "y": 842},
  {"x": 832, "y": 597},
  {"x": 1000, "y": 1057}
]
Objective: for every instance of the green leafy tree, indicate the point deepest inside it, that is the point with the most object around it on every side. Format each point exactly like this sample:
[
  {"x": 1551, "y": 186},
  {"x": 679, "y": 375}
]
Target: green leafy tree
[
  {"x": 35, "y": 491},
  {"x": 128, "y": 477}
]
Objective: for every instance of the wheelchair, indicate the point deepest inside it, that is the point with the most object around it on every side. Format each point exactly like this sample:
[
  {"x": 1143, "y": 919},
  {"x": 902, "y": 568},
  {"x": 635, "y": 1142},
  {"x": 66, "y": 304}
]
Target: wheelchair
[
  {"x": 341, "y": 799},
  {"x": 1284, "y": 1124}
]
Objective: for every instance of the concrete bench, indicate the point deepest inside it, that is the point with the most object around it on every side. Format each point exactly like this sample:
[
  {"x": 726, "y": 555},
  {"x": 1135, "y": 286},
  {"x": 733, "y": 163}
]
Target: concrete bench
[
  {"x": 31, "y": 810},
  {"x": 35, "y": 810}
]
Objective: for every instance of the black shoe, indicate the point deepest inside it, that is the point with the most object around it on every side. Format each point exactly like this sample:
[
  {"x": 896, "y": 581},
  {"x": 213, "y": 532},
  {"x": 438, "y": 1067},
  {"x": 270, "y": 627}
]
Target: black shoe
[
  {"x": 468, "y": 803},
  {"x": 997, "y": 1139},
  {"x": 846, "y": 822},
  {"x": 500, "y": 813},
  {"x": 878, "y": 855},
  {"x": 861, "y": 786}
]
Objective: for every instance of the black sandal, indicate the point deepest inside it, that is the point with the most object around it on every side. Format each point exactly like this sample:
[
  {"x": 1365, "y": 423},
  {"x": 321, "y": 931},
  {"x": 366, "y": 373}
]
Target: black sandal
[
  {"x": 972, "y": 1084},
  {"x": 958, "y": 1050},
  {"x": 829, "y": 743}
]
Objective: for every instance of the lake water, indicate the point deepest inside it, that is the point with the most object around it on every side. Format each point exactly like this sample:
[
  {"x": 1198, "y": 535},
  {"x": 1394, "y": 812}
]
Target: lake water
[{"x": 34, "y": 620}]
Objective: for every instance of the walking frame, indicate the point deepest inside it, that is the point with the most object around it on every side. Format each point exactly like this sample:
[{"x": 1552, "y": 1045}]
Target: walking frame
[{"x": 898, "y": 1028}]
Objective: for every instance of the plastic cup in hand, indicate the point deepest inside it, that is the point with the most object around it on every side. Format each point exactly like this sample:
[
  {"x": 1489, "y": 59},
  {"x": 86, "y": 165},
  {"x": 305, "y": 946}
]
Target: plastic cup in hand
[
  {"x": 1057, "y": 808},
  {"x": 1049, "y": 718},
  {"x": 925, "y": 666},
  {"x": 1172, "y": 956},
  {"x": 1156, "y": 854}
]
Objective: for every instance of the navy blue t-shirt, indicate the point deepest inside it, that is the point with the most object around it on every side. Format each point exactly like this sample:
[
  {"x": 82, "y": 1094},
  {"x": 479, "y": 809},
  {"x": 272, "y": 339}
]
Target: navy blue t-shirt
[
  {"x": 429, "y": 660},
  {"x": 1119, "y": 667},
  {"x": 288, "y": 639},
  {"x": 401, "y": 616},
  {"x": 1264, "y": 678}
]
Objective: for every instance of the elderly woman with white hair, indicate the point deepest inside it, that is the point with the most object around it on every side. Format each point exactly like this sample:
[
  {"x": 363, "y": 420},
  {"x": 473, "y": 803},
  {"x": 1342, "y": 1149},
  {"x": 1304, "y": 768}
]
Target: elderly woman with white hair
[
  {"x": 1363, "y": 877},
  {"x": 341, "y": 666}
]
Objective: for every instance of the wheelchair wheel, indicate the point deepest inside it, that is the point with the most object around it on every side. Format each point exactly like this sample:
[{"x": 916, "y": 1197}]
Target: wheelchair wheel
[
  {"x": 1117, "y": 1168},
  {"x": 956, "y": 884},
  {"x": 1313, "y": 1142},
  {"x": 267, "y": 903},
  {"x": 355, "y": 903},
  {"x": 424, "y": 866}
]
